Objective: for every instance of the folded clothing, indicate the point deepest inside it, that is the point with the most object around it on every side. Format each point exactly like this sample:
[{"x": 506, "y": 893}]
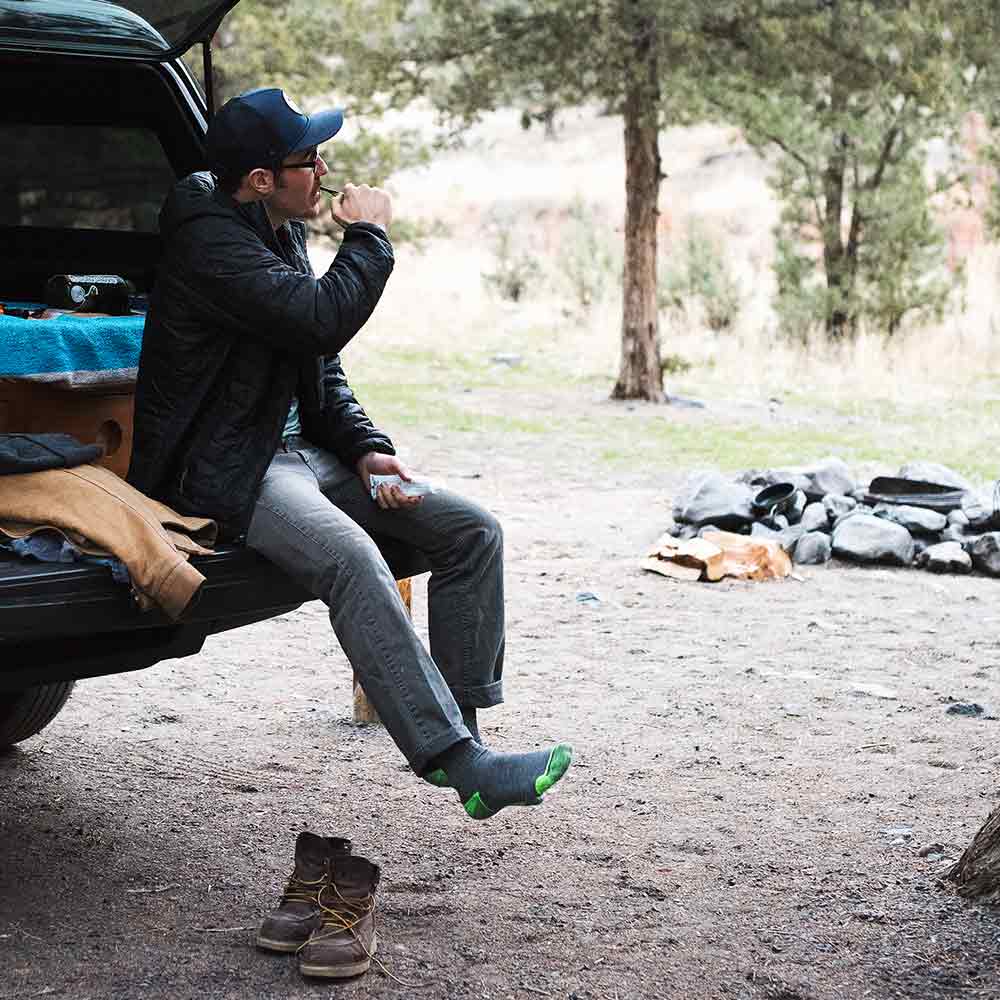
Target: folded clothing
[
  {"x": 36, "y": 452},
  {"x": 52, "y": 545},
  {"x": 72, "y": 350}
]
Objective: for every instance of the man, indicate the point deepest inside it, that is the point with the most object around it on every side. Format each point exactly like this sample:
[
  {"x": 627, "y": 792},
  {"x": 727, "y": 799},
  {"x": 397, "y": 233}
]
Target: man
[{"x": 243, "y": 414}]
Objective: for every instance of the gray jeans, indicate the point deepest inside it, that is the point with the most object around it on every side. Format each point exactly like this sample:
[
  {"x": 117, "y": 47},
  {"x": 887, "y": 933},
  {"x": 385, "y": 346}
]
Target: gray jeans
[{"x": 314, "y": 519}]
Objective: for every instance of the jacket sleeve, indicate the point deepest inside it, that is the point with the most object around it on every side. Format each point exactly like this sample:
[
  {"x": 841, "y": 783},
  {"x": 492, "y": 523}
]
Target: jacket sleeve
[
  {"x": 348, "y": 430},
  {"x": 246, "y": 287}
]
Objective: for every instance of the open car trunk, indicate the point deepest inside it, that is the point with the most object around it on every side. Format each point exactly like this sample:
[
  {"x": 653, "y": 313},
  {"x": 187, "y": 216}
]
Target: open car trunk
[
  {"x": 91, "y": 148},
  {"x": 92, "y": 143},
  {"x": 90, "y": 152}
]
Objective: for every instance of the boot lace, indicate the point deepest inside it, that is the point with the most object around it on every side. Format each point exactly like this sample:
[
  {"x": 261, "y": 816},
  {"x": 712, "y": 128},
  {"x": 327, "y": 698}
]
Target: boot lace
[
  {"x": 341, "y": 915},
  {"x": 300, "y": 890}
]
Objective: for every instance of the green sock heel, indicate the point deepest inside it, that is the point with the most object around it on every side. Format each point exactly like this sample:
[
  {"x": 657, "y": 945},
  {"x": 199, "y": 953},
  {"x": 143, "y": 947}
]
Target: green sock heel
[{"x": 437, "y": 778}]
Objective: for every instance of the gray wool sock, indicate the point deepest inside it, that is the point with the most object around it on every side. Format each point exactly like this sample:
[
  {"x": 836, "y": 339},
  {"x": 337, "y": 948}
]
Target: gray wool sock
[
  {"x": 436, "y": 775},
  {"x": 487, "y": 781}
]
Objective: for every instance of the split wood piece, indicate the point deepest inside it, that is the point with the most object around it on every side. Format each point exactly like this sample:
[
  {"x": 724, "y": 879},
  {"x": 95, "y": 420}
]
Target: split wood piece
[
  {"x": 749, "y": 558},
  {"x": 364, "y": 711},
  {"x": 688, "y": 560},
  {"x": 665, "y": 567},
  {"x": 716, "y": 555}
]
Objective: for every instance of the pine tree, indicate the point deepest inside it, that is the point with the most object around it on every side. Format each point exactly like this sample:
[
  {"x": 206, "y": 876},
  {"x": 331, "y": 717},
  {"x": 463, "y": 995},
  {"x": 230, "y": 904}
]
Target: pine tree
[
  {"x": 472, "y": 56},
  {"x": 849, "y": 94}
]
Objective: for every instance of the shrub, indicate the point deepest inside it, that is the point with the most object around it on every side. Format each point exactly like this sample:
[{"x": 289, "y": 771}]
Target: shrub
[
  {"x": 698, "y": 272},
  {"x": 675, "y": 364},
  {"x": 587, "y": 257},
  {"x": 515, "y": 268}
]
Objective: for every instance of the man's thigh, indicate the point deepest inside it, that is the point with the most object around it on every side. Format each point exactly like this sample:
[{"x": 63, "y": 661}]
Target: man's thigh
[
  {"x": 431, "y": 527},
  {"x": 298, "y": 528}
]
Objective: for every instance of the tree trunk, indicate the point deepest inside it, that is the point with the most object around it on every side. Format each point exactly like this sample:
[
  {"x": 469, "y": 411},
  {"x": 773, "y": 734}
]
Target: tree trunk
[
  {"x": 978, "y": 869},
  {"x": 640, "y": 375},
  {"x": 837, "y": 261}
]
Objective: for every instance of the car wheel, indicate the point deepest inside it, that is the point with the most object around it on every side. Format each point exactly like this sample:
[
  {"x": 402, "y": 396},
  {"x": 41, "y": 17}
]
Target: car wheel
[{"x": 28, "y": 711}]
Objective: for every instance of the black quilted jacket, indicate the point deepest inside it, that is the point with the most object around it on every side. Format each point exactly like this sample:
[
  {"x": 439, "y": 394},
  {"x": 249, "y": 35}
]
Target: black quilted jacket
[{"x": 237, "y": 325}]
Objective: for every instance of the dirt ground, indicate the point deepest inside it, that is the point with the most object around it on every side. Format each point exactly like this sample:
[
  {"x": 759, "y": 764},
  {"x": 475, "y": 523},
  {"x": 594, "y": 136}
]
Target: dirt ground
[{"x": 761, "y": 773}]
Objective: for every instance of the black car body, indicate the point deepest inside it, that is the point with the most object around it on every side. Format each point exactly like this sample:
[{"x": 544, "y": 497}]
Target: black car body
[{"x": 99, "y": 116}]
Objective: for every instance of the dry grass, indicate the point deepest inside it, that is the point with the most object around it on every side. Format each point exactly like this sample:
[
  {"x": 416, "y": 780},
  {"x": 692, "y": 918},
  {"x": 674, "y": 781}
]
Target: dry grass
[{"x": 917, "y": 366}]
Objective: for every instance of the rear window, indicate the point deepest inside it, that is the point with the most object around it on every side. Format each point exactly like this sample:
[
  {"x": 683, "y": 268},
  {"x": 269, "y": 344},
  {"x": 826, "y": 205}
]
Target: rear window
[{"x": 82, "y": 177}]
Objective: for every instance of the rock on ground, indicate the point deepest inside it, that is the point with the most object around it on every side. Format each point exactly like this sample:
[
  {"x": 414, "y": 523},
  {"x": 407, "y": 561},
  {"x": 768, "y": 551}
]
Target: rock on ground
[
  {"x": 914, "y": 519},
  {"x": 837, "y": 505},
  {"x": 815, "y": 517},
  {"x": 709, "y": 497},
  {"x": 860, "y": 509},
  {"x": 830, "y": 475},
  {"x": 934, "y": 472},
  {"x": 790, "y": 536},
  {"x": 946, "y": 557},
  {"x": 980, "y": 510},
  {"x": 813, "y": 548},
  {"x": 865, "y": 538},
  {"x": 985, "y": 552},
  {"x": 955, "y": 533}
]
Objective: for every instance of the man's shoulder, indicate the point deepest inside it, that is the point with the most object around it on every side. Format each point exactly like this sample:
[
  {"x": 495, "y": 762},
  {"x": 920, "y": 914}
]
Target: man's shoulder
[{"x": 197, "y": 209}]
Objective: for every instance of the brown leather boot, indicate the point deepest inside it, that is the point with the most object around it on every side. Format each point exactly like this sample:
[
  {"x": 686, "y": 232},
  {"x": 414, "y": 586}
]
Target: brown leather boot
[
  {"x": 344, "y": 943},
  {"x": 288, "y": 926}
]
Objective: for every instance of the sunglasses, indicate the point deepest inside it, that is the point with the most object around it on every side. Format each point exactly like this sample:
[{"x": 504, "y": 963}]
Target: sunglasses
[{"x": 312, "y": 164}]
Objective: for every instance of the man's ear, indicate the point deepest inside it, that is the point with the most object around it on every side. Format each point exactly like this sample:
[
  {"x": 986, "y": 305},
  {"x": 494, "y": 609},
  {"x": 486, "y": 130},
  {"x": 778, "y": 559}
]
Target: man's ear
[{"x": 261, "y": 181}]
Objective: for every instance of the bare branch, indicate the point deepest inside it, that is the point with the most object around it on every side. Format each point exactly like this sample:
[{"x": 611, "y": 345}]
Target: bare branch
[{"x": 875, "y": 180}]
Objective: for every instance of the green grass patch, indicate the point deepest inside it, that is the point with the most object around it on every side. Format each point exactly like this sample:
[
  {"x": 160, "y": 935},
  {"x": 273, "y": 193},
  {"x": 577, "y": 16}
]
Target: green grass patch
[
  {"x": 434, "y": 408},
  {"x": 736, "y": 448},
  {"x": 465, "y": 392}
]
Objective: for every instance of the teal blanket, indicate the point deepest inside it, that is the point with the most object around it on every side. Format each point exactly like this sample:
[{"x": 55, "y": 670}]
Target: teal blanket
[{"x": 78, "y": 352}]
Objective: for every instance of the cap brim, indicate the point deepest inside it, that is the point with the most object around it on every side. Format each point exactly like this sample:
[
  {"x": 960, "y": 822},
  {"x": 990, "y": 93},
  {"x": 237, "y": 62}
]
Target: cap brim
[{"x": 322, "y": 126}]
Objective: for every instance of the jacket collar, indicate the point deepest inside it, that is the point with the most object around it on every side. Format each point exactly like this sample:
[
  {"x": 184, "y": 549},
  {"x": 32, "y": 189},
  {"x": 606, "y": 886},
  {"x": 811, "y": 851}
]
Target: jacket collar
[{"x": 255, "y": 216}]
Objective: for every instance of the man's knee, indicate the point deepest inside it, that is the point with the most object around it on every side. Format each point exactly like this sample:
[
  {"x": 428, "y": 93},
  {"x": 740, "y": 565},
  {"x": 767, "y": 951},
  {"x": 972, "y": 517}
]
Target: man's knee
[{"x": 487, "y": 533}]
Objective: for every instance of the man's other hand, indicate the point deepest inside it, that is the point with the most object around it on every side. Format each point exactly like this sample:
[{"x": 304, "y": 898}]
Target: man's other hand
[
  {"x": 388, "y": 498},
  {"x": 361, "y": 203}
]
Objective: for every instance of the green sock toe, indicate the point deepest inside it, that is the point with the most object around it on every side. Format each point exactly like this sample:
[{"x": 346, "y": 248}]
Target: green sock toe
[
  {"x": 559, "y": 761},
  {"x": 556, "y": 766}
]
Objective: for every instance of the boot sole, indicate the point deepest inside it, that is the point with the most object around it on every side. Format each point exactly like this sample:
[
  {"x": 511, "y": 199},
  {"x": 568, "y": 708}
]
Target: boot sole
[
  {"x": 286, "y": 947},
  {"x": 338, "y": 971}
]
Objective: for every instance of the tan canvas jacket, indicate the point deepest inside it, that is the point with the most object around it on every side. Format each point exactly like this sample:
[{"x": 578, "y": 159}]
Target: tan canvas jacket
[{"x": 101, "y": 514}]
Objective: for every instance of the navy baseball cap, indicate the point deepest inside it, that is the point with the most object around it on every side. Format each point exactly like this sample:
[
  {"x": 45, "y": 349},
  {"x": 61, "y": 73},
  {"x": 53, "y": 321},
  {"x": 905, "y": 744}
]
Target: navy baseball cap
[{"x": 261, "y": 127}]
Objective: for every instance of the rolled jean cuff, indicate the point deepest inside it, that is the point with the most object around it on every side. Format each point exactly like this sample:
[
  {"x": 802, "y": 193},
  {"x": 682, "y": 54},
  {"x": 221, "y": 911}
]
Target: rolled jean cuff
[
  {"x": 420, "y": 758},
  {"x": 485, "y": 696}
]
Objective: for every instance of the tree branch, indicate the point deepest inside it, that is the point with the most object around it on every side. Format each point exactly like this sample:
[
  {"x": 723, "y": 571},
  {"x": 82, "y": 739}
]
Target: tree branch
[{"x": 875, "y": 180}]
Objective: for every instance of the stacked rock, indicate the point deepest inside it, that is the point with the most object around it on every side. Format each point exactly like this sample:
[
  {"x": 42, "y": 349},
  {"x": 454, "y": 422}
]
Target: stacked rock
[{"x": 818, "y": 511}]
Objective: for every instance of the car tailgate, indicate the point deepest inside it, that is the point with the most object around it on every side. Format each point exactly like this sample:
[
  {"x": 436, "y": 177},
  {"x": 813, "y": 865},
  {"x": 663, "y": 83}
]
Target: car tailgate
[{"x": 46, "y": 600}]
